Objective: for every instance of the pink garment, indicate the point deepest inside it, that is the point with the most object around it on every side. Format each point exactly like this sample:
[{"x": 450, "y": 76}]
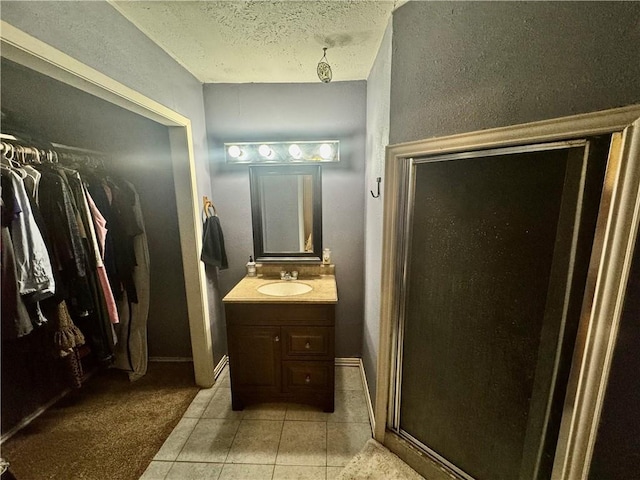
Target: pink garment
[
  {"x": 108, "y": 295},
  {"x": 99, "y": 234},
  {"x": 99, "y": 223}
]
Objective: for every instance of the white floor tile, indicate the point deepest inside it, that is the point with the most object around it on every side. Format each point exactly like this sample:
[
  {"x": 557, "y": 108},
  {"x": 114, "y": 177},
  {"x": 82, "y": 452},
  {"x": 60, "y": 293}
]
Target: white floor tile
[
  {"x": 220, "y": 406},
  {"x": 265, "y": 411},
  {"x": 156, "y": 471},
  {"x": 210, "y": 441},
  {"x": 305, "y": 413},
  {"x": 350, "y": 406},
  {"x": 240, "y": 471},
  {"x": 174, "y": 443},
  {"x": 348, "y": 378},
  {"x": 297, "y": 472},
  {"x": 303, "y": 443},
  {"x": 194, "y": 471},
  {"x": 256, "y": 442},
  {"x": 344, "y": 440},
  {"x": 200, "y": 402}
]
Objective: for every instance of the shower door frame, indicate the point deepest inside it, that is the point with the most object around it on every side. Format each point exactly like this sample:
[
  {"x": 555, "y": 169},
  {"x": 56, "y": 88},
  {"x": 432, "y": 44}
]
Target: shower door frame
[{"x": 618, "y": 220}]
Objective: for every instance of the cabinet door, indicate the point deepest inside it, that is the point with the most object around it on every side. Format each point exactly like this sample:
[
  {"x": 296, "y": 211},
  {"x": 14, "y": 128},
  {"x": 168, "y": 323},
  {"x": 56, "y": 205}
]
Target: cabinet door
[{"x": 254, "y": 358}]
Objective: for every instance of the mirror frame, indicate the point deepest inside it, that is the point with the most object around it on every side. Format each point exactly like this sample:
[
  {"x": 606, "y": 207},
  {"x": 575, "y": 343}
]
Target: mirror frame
[{"x": 258, "y": 171}]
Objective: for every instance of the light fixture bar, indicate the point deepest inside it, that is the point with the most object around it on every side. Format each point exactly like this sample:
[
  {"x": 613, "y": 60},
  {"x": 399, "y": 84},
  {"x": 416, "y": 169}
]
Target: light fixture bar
[{"x": 283, "y": 152}]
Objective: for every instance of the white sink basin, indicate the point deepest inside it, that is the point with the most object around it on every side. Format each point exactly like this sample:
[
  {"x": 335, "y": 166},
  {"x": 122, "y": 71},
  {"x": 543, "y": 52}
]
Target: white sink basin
[{"x": 284, "y": 289}]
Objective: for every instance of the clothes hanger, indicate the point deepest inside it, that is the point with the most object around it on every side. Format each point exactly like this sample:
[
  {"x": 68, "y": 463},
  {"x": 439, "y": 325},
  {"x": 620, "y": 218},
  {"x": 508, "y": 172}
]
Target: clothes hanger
[{"x": 9, "y": 153}]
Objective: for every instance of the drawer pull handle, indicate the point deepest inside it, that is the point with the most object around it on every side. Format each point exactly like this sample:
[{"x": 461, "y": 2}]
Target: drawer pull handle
[
  {"x": 277, "y": 339},
  {"x": 307, "y": 379},
  {"x": 307, "y": 345}
]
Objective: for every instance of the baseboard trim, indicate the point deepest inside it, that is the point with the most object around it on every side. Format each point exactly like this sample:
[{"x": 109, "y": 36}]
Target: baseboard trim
[
  {"x": 221, "y": 364},
  {"x": 347, "y": 362},
  {"x": 170, "y": 359},
  {"x": 30, "y": 418},
  {"x": 357, "y": 362},
  {"x": 372, "y": 418}
]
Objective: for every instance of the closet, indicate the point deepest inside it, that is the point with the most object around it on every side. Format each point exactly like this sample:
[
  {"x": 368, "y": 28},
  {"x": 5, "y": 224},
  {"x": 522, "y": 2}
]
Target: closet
[{"x": 134, "y": 150}]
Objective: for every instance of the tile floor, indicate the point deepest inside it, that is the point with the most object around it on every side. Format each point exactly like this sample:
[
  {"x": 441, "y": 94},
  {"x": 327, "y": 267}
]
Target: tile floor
[{"x": 267, "y": 441}]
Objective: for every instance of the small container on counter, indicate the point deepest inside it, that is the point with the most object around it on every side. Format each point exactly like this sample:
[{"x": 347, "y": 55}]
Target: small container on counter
[
  {"x": 326, "y": 256},
  {"x": 251, "y": 267}
]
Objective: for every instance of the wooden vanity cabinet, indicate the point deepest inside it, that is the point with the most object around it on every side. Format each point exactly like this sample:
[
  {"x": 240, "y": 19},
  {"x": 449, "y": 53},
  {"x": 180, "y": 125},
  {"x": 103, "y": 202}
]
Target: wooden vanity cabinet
[{"x": 281, "y": 352}]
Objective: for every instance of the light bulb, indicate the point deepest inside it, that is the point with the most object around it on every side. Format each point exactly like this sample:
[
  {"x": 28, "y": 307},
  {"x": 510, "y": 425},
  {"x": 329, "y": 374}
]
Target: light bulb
[
  {"x": 235, "y": 151},
  {"x": 326, "y": 151},
  {"x": 265, "y": 151},
  {"x": 294, "y": 151}
]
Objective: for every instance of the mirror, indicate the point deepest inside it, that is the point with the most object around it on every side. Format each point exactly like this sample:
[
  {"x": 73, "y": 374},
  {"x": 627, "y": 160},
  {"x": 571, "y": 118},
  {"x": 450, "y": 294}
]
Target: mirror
[{"x": 286, "y": 211}]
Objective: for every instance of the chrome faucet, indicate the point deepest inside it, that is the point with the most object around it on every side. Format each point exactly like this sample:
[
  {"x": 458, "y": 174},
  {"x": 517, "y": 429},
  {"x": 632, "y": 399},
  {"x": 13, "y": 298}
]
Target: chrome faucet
[{"x": 284, "y": 275}]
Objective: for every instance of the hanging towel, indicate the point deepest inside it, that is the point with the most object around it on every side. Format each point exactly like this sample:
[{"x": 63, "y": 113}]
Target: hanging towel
[{"x": 213, "y": 252}]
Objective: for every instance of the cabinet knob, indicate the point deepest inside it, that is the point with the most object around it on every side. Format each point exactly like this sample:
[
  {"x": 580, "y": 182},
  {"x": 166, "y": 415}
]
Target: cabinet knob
[
  {"x": 307, "y": 379},
  {"x": 277, "y": 339},
  {"x": 307, "y": 345}
]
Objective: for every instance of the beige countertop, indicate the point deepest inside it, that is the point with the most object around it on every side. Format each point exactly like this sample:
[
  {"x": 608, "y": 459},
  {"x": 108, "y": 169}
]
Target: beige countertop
[{"x": 324, "y": 290}]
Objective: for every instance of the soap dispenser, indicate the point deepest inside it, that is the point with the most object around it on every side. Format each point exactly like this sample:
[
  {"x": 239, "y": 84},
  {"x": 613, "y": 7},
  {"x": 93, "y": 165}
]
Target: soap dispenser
[{"x": 251, "y": 267}]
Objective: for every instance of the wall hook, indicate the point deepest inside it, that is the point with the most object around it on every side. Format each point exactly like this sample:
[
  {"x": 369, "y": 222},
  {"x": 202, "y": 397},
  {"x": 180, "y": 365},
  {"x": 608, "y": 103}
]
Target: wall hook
[{"x": 378, "y": 180}]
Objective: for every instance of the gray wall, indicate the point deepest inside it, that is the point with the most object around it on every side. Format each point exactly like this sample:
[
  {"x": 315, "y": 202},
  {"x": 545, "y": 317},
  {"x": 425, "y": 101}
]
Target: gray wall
[
  {"x": 465, "y": 66},
  {"x": 96, "y": 34},
  {"x": 254, "y": 112},
  {"x": 378, "y": 91}
]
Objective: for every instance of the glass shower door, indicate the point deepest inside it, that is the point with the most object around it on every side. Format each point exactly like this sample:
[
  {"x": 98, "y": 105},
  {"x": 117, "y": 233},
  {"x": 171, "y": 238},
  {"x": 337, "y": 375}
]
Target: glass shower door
[{"x": 496, "y": 259}]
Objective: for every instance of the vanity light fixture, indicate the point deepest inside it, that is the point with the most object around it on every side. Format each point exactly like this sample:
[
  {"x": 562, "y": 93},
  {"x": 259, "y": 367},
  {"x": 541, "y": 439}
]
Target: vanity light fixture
[
  {"x": 294, "y": 151},
  {"x": 326, "y": 151},
  {"x": 266, "y": 151},
  {"x": 234, "y": 151},
  {"x": 283, "y": 152}
]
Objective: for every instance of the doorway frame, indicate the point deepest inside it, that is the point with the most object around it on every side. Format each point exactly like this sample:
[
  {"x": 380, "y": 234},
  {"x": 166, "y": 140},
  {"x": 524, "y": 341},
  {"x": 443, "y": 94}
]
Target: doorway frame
[
  {"x": 609, "y": 268},
  {"x": 28, "y": 51}
]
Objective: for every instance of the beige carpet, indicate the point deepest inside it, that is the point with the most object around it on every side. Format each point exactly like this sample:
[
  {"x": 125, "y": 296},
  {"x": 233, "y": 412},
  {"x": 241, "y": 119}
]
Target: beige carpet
[
  {"x": 109, "y": 429},
  {"x": 375, "y": 462}
]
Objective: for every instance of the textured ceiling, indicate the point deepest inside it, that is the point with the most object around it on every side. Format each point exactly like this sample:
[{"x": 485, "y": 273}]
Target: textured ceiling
[{"x": 264, "y": 41}]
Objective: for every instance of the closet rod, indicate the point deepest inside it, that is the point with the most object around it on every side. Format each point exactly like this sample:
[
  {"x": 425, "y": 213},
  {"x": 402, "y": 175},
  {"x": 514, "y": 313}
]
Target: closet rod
[
  {"x": 60, "y": 146},
  {"x": 78, "y": 149}
]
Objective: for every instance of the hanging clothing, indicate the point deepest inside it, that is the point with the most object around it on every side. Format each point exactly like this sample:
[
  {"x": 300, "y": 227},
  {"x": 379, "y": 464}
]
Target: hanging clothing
[
  {"x": 213, "y": 251},
  {"x": 16, "y": 321},
  {"x": 35, "y": 275},
  {"x": 87, "y": 218},
  {"x": 67, "y": 336},
  {"x": 99, "y": 224},
  {"x": 119, "y": 257},
  {"x": 75, "y": 240},
  {"x": 58, "y": 210},
  {"x": 131, "y": 351}
]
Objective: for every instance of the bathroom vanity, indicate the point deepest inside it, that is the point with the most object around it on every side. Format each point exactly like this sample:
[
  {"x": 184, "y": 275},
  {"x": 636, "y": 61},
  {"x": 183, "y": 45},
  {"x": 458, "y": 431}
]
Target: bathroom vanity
[{"x": 281, "y": 344}]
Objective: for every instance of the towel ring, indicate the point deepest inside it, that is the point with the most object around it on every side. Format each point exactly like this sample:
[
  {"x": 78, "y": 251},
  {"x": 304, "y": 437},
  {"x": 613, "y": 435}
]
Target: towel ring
[{"x": 206, "y": 205}]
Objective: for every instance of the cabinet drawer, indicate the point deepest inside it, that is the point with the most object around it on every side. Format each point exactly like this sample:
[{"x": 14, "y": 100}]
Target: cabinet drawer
[
  {"x": 316, "y": 342},
  {"x": 307, "y": 376},
  {"x": 279, "y": 314}
]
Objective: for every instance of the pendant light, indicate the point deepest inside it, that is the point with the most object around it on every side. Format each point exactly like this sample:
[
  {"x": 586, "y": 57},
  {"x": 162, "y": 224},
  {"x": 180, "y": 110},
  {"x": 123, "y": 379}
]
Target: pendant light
[{"x": 324, "y": 70}]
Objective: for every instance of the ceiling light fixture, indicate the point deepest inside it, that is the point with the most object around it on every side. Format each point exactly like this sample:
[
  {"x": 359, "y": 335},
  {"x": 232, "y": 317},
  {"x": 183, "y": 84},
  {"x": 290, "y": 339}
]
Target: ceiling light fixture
[{"x": 324, "y": 69}]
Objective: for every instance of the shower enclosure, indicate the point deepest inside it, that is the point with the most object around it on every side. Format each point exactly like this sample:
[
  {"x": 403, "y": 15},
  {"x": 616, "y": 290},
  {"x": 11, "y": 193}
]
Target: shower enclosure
[{"x": 506, "y": 253}]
